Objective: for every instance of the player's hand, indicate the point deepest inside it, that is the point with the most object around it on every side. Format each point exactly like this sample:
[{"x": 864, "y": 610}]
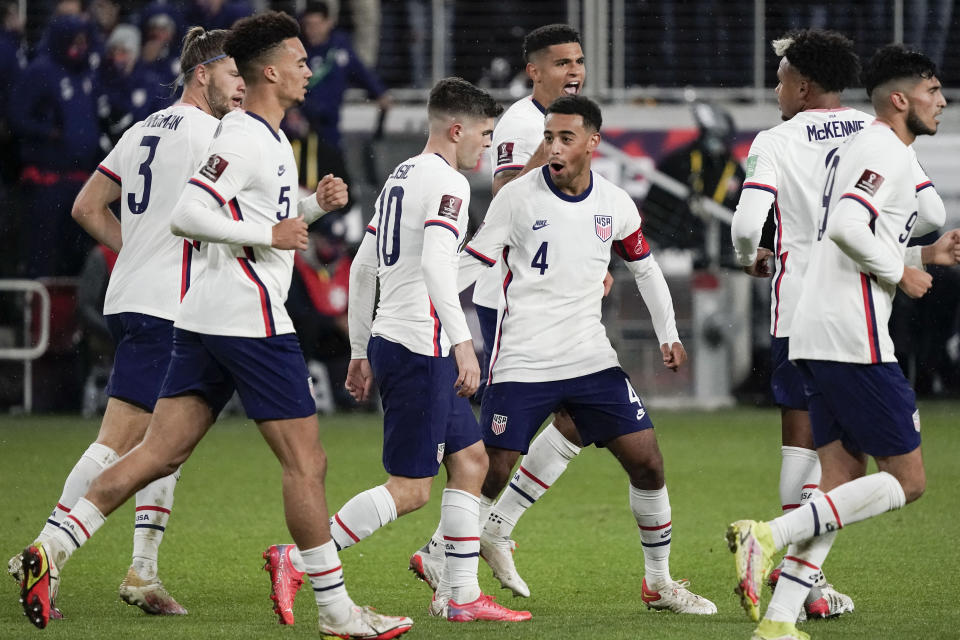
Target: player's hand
[
  {"x": 674, "y": 355},
  {"x": 761, "y": 265},
  {"x": 359, "y": 379},
  {"x": 290, "y": 234},
  {"x": 607, "y": 284},
  {"x": 468, "y": 378},
  {"x": 945, "y": 251},
  {"x": 332, "y": 193},
  {"x": 915, "y": 282}
]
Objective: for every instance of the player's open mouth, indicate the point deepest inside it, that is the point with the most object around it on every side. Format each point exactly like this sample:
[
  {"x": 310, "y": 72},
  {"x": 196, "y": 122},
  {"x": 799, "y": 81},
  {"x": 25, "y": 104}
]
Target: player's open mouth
[
  {"x": 236, "y": 101},
  {"x": 572, "y": 88},
  {"x": 556, "y": 167}
]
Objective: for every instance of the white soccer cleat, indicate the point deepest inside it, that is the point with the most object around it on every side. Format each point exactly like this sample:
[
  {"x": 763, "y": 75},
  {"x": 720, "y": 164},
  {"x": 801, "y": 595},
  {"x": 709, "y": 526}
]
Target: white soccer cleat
[
  {"x": 498, "y": 552},
  {"x": 826, "y": 602},
  {"x": 428, "y": 565},
  {"x": 677, "y": 598},
  {"x": 438, "y": 606},
  {"x": 149, "y": 595},
  {"x": 365, "y": 624},
  {"x": 15, "y": 568}
]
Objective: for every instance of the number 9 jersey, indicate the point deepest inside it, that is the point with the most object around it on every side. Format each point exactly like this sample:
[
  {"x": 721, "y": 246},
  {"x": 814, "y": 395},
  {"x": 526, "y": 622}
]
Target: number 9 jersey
[{"x": 151, "y": 163}]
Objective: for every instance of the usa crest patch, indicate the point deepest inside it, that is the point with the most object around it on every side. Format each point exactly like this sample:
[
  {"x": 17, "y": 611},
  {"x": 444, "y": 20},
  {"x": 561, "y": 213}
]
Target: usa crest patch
[
  {"x": 604, "y": 227},
  {"x": 440, "y": 448},
  {"x": 499, "y": 424}
]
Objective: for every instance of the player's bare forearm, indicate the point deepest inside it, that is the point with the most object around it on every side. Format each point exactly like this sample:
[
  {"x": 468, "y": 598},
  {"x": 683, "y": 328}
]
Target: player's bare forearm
[{"x": 944, "y": 252}]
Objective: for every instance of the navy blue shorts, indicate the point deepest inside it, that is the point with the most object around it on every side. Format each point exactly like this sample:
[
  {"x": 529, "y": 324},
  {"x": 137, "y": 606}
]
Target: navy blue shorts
[
  {"x": 487, "y": 318},
  {"x": 269, "y": 374},
  {"x": 423, "y": 419},
  {"x": 603, "y": 405},
  {"x": 144, "y": 344},
  {"x": 870, "y": 408},
  {"x": 786, "y": 381}
]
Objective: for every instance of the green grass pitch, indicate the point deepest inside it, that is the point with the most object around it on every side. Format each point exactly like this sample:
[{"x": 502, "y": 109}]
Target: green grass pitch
[{"x": 579, "y": 548}]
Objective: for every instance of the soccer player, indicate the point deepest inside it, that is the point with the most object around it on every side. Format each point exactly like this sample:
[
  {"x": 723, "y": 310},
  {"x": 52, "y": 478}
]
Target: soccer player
[
  {"x": 554, "y": 229},
  {"x": 411, "y": 248},
  {"x": 555, "y": 65},
  {"x": 859, "y": 402},
  {"x": 785, "y": 170},
  {"x": 232, "y": 332},
  {"x": 147, "y": 171}
]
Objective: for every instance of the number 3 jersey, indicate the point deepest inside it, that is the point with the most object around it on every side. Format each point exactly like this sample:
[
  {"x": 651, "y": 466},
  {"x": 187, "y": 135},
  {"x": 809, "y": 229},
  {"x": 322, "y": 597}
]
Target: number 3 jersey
[
  {"x": 151, "y": 163},
  {"x": 858, "y": 254},
  {"x": 250, "y": 173},
  {"x": 555, "y": 250},
  {"x": 419, "y": 222}
]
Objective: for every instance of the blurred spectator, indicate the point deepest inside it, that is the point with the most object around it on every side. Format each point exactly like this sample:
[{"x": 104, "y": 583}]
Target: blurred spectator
[
  {"x": 129, "y": 88},
  {"x": 315, "y": 126},
  {"x": 53, "y": 111},
  {"x": 159, "y": 52},
  {"x": 105, "y": 15},
  {"x": 93, "y": 338},
  {"x": 317, "y": 304},
  {"x": 217, "y": 14},
  {"x": 364, "y": 17},
  {"x": 708, "y": 168}
]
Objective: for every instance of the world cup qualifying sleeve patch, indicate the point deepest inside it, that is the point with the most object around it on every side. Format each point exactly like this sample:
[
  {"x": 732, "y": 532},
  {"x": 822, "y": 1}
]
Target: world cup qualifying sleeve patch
[
  {"x": 450, "y": 207},
  {"x": 505, "y": 153},
  {"x": 869, "y": 182},
  {"x": 214, "y": 168}
]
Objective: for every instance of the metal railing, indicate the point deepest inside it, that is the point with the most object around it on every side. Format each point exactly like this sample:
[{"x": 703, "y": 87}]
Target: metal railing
[{"x": 32, "y": 291}]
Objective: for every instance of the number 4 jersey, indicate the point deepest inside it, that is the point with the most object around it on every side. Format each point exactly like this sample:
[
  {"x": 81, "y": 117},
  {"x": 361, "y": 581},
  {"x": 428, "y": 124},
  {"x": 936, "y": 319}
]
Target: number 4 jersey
[
  {"x": 151, "y": 163},
  {"x": 251, "y": 176}
]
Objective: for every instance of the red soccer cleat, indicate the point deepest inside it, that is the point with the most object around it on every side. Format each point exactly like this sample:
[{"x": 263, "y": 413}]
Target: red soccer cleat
[
  {"x": 35, "y": 585},
  {"x": 285, "y": 580},
  {"x": 483, "y": 608}
]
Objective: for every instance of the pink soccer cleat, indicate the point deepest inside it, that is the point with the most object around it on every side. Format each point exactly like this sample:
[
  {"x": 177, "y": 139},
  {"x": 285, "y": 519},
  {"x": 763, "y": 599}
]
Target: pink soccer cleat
[
  {"x": 483, "y": 608},
  {"x": 285, "y": 580}
]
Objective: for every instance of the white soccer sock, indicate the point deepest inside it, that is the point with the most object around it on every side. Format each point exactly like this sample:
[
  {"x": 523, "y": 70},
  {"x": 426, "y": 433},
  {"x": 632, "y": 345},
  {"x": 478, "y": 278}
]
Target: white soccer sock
[
  {"x": 546, "y": 460},
  {"x": 850, "y": 502},
  {"x": 154, "y": 503},
  {"x": 460, "y": 525},
  {"x": 76, "y": 528},
  {"x": 486, "y": 505},
  {"x": 363, "y": 514},
  {"x": 651, "y": 509},
  {"x": 95, "y": 459},
  {"x": 799, "y": 572},
  {"x": 323, "y": 567},
  {"x": 799, "y": 469}
]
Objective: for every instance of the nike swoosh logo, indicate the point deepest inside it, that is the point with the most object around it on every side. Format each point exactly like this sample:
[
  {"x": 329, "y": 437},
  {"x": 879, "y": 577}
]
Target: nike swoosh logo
[
  {"x": 540, "y": 224},
  {"x": 281, "y": 170}
]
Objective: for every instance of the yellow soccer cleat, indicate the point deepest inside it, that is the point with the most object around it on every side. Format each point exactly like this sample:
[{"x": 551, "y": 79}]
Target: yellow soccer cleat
[{"x": 752, "y": 545}]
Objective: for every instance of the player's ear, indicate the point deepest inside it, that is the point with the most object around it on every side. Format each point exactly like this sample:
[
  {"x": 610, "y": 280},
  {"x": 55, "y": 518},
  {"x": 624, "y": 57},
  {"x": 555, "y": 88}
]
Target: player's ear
[
  {"x": 201, "y": 75},
  {"x": 533, "y": 72},
  {"x": 455, "y": 131},
  {"x": 593, "y": 141},
  {"x": 270, "y": 73},
  {"x": 899, "y": 100}
]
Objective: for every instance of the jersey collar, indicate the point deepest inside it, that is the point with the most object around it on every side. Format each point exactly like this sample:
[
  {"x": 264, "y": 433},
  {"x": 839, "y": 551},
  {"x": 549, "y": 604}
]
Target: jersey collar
[
  {"x": 265, "y": 123},
  {"x": 539, "y": 106},
  {"x": 560, "y": 194}
]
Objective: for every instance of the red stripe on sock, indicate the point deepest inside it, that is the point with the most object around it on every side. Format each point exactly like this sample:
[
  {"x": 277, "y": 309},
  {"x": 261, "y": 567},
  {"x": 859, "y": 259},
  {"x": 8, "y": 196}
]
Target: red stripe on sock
[
  {"x": 534, "y": 478},
  {"x": 153, "y": 508},
  {"x": 789, "y": 507},
  {"x": 810, "y": 486},
  {"x": 336, "y": 517},
  {"x": 835, "y": 514},
  {"x": 455, "y": 539},
  {"x": 80, "y": 524},
  {"x": 63, "y": 508},
  {"x": 802, "y": 561},
  {"x": 657, "y": 528},
  {"x": 323, "y": 573}
]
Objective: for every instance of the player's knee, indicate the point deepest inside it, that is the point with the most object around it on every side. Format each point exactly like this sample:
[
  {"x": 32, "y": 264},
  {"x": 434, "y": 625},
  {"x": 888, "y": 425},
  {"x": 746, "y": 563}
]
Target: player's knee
[{"x": 914, "y": 487}]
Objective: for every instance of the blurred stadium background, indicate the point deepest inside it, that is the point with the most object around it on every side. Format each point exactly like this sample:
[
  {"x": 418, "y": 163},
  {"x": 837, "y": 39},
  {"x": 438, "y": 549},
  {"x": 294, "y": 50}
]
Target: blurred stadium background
[{"x": 684, "y": 85}]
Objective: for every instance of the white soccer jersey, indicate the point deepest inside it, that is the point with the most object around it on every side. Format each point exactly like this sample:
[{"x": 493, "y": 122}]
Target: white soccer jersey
[
  {"x": 858, "y": 254},
  {"x": 420, "y": 217},
  {"x": 555, "y": 249},
  {"x": 515, "y": 139},
  {"x": 151, "y": 163},
  {"x": 787, "y": 162},
  {"x": 252, "y": 175}
]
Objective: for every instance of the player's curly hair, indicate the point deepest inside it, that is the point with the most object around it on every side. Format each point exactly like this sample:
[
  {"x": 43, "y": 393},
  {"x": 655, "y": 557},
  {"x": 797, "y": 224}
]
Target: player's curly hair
[
  {"x": 200, "y": 47},
  {"x": 547, "y": 35},
  {"x": 825, "y": 57},
  {"x": 578, "y": 106},
  {"x": 253, "y": 39},
  {"x": 894, "y": 62},
  {"x": 456, "y": 96}
]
